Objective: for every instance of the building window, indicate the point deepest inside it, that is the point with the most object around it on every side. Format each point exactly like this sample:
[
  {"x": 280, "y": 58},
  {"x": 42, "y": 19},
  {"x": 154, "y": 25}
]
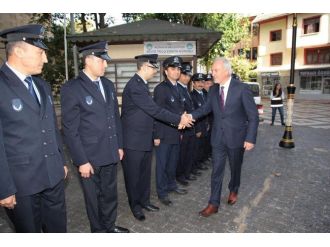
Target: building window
[
  {"x": 317, "y": 55},
  {"x": 254, "y": 53},
  {"x": 255, "y": 29},
  {"x": 248, "y": 54},
  {"x": 276, "y": 35},
  {"x": 311, "y": 25},
  {"x": 240, "y": 52},
  {"x": 311, "y": 83},
  {"x": 276, "y": 59}
]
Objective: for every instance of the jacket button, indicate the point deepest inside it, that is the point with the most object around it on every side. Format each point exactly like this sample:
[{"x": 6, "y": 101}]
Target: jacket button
[
  {"x": 43, "y": 131},
  {"x": 46, "y": 155},
  {"x": 45, "y": 143}
]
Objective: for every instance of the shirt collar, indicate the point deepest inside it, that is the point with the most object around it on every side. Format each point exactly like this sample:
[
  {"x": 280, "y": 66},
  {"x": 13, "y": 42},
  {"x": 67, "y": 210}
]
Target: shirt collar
[
  {"x": 97, "y": 79},
  {"x": 20, "y": 75},
  {"x": 227, "y": 83},
  {"x": 145, "y": 82},
  {"x": 185, "y": 86}
]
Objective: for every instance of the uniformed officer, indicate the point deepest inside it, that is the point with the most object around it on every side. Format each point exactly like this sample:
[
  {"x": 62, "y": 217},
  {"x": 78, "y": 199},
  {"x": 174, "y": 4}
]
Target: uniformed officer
[
  {"x": 32, "y": 165},
  {"x": 187, "y": 142},
  {"x": 199, "y": 99},
  {"x": 166, "y": 136},
  {"x": 138, "y": 113},
  {"x": 208, "y": 148},
  {"x": 93, "y": 134}
]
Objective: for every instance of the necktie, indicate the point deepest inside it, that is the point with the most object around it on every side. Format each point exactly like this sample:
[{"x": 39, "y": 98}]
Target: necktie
[
  {"x": 222, "y": 99},
  {"x": 202, "y": 94},
  {"x": 97, "y": 85},
  {"x": 28, "y": 80}
]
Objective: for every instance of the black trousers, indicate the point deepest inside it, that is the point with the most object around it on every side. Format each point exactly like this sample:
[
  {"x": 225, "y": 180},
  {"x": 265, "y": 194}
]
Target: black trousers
[
  {"x": 137, "y": 175},
  {"x": 187, "y": 148},
  {"x": 100, "y": 193},
  {"x": 219, "y": 156},
  {"x": 43, "y": 211}
]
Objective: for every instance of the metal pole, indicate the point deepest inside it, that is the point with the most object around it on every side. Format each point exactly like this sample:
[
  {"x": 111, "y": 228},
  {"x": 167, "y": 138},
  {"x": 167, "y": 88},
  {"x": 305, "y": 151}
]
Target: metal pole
[
  {"x": 287, "y": 140},
  {"x": 65, "y": 51},
  {"x": 74, "y": 48}
]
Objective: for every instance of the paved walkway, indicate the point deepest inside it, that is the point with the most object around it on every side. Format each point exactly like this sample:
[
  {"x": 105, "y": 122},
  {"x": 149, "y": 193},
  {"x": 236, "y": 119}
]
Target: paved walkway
[{"x": 282, "y": 190}]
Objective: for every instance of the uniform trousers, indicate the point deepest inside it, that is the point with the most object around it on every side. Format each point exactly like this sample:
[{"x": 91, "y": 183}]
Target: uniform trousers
[
  {"x": 100, "y": 194},
  {"x": 137, "y": 174},
  {"x": 44, "y": 211},
  {"x": 167, "y": 158}
]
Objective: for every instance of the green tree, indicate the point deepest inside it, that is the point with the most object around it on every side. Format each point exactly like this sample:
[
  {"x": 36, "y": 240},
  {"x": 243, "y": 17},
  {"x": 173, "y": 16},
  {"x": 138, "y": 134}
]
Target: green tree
[
  {"x": 54, "y": 70},
  {"x": 243, "y": 68}
]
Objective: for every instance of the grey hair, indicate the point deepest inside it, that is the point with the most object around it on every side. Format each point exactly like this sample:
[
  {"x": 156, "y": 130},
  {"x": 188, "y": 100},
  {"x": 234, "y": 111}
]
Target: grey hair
[{"x": 226, "y": 64}]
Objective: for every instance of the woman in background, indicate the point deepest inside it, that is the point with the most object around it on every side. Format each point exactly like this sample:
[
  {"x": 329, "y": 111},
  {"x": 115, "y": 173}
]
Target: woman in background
[{"x": 276, "y": 102}]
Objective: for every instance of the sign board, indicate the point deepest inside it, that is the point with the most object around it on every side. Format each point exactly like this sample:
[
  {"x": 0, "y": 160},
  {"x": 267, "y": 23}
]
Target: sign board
[
  {"x": 318, "y": 72},
  {"x": 270, "y": 74},
  {"x": 170, "y": 48}
]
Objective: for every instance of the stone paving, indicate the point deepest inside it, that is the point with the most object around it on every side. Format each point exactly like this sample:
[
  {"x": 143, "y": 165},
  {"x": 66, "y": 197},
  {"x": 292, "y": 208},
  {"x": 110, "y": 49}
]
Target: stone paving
[{"x": 282, "y": 190}]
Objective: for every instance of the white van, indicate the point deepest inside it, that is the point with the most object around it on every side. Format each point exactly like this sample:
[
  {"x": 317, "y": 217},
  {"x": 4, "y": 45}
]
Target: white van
[{"x": 255, "y": 88}]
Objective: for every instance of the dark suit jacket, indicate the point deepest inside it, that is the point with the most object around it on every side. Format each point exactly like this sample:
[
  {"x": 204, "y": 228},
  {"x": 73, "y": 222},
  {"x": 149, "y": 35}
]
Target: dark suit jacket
[
  {"x": 166, "y": 96},
  {"x": 238, "y": 122},
  {"x": 31, "y": 156},
  {"x": 202, "y": 123},
  {"x": 138, "y": 113},
  {"x": 188, "y": 107},
  {"x": 92, "y": 127}
]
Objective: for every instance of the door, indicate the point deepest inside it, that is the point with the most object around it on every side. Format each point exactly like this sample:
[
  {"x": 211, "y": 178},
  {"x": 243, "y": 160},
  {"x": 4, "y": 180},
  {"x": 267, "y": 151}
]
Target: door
[{"x": 326, "y": 85}]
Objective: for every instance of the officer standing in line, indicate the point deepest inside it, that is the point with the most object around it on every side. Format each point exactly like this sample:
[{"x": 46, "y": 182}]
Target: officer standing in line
[
  {"x": 31, "y": 154},
  {"x": 187, "y": 142},
  {"x": 93, "y": 134},
  {"x": 166, "y": 136},
  {"x": 208, "y": 148},
  {"x": 138, "y": 113},
  {"x": 199, "y": 99}
]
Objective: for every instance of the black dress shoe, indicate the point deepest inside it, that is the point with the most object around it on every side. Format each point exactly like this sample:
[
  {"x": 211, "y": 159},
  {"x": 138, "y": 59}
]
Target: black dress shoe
[
  {"x": 182, "y": 181},
  {"x": 165, "y": 201},
  {"x": 196, "y": 173},
  {"x": 180, "y": 191},
  {"x": 119, "y": 229},
  {"x": 139, "y": 216},
  {"x": 151, "y": 208},
  {"x": 191, "y": 178}
]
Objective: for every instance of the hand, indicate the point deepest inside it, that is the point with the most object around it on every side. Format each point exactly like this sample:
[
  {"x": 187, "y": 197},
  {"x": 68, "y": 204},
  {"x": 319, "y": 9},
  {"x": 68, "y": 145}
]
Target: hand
[
  {"x": 186, "y": 121},
  {"x": 248, "y": 146},
  {"x": 66, "y": 170},
  {"x": 156, "y": 142},
  {"x": 121, "y": 154},
  {"x": 199, "y": 134},
  {"x": 86, "y": 170},
  {"x": 8, "y": 202}
]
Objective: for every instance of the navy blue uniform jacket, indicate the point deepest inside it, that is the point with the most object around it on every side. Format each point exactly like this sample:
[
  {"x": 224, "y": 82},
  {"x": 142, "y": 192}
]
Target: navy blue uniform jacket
[
  {"x": 92, "y": 127},
  {"x": 201, "y": 123},
  {"x": 238, "y": 122},
  {"x": 166, "y": 96},
  {"x": 138, "y": 113},
  {"x": 31, "y": 154},
  {"x": 188, "y": 107}
]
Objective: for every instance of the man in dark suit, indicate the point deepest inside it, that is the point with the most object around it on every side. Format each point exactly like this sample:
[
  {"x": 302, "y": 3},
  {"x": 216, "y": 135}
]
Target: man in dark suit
[
  {"x": 166, "y": 136},
  {"x": 234, "y": 130},
  {"x": 187, "y": 140},
  {"x": 93, "y": 134},
  {"x": 31, "y": 154},
  {"x": 199, "y": 98},
  {"x": 138, "y": 113}
]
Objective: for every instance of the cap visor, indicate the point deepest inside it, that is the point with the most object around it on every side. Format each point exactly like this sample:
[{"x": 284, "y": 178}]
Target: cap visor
[
  {"x": 37, "y": 43},
  {"x": 105, "y": 57}
]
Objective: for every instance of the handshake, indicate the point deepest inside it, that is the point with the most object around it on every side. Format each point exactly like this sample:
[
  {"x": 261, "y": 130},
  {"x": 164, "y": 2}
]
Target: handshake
[{"x": 186, "y": 121}]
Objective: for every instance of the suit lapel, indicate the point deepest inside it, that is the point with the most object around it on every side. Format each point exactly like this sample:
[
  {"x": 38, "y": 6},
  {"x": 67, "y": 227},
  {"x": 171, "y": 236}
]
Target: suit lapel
[
  {"x": 87, "y": 84},
  {"x": 19, "y": 89},
  {"x": 230, "y": 93},
  {"x": 174, "y": 92}
]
